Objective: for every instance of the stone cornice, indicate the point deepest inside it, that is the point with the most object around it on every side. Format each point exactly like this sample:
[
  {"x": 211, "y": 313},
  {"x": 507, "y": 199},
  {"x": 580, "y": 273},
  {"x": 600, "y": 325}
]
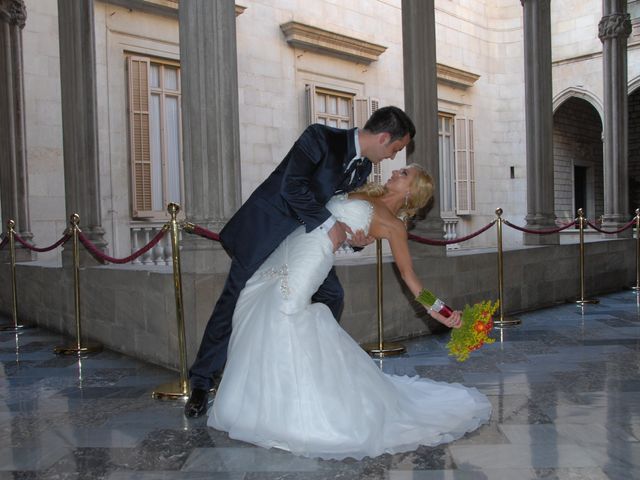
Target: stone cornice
[
  {"x": 616, "y": 25},
  {"x": 166, "y": 8},
  {"x": 308, "y": 37},
  {"x": 13, "y": 12},
  {"x": 455, "y": 76}
]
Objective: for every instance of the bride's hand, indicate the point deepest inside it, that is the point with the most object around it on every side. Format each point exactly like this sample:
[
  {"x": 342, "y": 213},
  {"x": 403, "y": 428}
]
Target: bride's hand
[
  {"x": 359, "y": 239},
  {"x": 454, "y": 321},
  {"x": 338, "y": 234}
]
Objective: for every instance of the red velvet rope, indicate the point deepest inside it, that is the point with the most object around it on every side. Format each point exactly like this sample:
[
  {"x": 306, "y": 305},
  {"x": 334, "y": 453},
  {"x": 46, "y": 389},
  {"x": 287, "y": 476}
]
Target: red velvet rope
[
  {"x": 543, "y": 231},
  {"x": 203, "y": 232},
  {"x": 106, "y": 258},
  {"x": 611, "y": 231},
  {"x": 4, "y": 241},
  {"x": 25, "y": 244},
  {"x": 429, "y": 241}
]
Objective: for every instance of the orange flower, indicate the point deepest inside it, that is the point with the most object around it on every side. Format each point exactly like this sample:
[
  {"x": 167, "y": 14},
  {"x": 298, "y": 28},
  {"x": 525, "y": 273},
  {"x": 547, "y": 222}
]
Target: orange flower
[{"x": 477, "y": 323}]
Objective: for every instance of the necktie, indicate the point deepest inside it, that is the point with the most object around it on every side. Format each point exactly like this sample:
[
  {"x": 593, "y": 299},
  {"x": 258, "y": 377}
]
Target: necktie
[{"x": 350, "y": 173}]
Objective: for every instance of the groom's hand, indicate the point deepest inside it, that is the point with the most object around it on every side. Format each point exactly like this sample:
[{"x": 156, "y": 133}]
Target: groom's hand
[
  {"x": 359, "y": 239},
  {"x": 338, "y": 234}
]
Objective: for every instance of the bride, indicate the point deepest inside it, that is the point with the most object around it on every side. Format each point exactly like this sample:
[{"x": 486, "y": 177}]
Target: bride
[{"x": 295, "y": 380}]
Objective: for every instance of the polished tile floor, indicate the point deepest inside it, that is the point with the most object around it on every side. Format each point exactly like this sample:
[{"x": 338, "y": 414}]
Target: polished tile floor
[{"x": 565, "y": 386}]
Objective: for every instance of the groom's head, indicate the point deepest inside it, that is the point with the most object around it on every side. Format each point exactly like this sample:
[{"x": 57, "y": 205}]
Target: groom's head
[
  {"x": 387, "y": 131},
  {"x": 391, "y": 120}
]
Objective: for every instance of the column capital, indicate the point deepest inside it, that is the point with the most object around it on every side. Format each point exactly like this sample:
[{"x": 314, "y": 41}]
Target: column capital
[
  {"x": 616, "y": 25},
  {"x": 13, "y": 12}
]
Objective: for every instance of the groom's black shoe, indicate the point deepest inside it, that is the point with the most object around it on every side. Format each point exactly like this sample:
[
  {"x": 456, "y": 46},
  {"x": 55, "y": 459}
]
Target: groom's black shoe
[{"x": 197, "y": 403}]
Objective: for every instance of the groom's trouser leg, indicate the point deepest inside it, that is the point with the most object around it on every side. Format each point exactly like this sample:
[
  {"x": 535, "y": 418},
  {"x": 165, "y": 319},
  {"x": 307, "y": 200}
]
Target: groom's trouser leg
[
  {"x": 331, "y": 294},
  {"x": 212, "y": 353}
]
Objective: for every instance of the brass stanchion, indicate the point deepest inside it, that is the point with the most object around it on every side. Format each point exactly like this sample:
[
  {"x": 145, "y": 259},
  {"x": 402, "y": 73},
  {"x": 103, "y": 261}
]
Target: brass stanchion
[
  {"x": 14, "y": 289},
  {"x": 381, "y": 348},
  {"x": 636, "y": 287},
  {"x": 78, "y": 348},
  {"x": 176, "y": 389},
  {"x": 501, "y": 321},
  {"x": 582, "y": 300}
]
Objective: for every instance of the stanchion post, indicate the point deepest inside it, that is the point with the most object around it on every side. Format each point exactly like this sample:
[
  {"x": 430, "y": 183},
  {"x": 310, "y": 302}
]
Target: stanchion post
[
  {"x": 11, "y": 224},
  {"x": 636, "y": 287},
  {"x": 502, "y": 321},
  {"x": 179, "y": 389},
  {"x": 78, "y": 348},
  {"x": 582, "y": 300},
  {"x": 381, "y": 348}
]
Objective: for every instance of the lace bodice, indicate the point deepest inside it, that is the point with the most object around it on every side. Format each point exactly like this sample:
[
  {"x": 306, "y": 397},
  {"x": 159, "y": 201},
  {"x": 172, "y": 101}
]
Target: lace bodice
[{"x": 354, "y": 212}]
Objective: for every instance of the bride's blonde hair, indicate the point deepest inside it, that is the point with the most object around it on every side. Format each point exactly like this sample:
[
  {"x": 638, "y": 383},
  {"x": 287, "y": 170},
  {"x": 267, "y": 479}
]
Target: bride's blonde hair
[{"x": 421, "y": 190}]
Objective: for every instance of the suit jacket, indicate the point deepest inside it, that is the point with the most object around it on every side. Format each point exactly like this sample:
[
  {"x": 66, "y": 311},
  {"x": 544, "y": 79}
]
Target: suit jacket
[{"x": 294, "y": 194}]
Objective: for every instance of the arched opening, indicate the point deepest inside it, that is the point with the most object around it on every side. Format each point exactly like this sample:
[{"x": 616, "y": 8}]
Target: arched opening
[
  {"x": 577, "y": 160},
  {"x": 634, "y": 151}
]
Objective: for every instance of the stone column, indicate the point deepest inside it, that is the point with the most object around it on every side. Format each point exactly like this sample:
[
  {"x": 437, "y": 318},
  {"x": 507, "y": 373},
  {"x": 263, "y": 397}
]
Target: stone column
[
  {"x": 14, "y": 188},
  {"x": 539, "y": 121},
  {"x": 80, "y": 117},
  {"x": 211, "y": 146},
  {"x": 421, "y": 102},
  {"x": 209, "y": 73},
  {"x": 613, "y": 30}
]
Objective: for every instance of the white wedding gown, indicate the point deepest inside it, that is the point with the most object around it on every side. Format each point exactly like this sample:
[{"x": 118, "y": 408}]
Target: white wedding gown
[{"x": 295, "y": 380}]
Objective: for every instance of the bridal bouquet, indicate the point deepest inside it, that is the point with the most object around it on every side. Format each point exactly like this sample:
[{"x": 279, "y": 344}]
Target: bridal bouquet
[{"x": 477, "y": 322}]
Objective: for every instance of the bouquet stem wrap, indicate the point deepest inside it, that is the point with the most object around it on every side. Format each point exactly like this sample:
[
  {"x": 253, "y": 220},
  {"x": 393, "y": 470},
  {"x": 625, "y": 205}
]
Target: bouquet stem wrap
[{"x": 428, "y": 299}]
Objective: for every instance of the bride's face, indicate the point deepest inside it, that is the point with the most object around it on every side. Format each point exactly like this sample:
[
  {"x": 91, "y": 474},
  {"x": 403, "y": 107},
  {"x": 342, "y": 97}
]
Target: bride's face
[{"x": 401, "y": 180}]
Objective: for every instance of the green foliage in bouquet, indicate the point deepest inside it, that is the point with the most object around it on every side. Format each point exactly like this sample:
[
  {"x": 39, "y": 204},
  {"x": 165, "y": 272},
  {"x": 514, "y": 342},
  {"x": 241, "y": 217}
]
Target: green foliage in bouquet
[{"x": 477, "y": 322}]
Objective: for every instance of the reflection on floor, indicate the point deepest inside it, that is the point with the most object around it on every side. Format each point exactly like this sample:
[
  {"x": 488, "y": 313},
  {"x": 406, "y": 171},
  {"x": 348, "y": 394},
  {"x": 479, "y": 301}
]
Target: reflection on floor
[{"x": 565, "y": 386}]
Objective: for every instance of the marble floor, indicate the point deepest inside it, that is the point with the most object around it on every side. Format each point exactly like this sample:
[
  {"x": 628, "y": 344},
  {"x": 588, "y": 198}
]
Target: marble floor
[{"x": 565, "y": 387}]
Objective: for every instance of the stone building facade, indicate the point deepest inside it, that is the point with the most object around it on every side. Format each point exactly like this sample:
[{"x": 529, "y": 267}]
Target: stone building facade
[{"x": 117, "y": 107}]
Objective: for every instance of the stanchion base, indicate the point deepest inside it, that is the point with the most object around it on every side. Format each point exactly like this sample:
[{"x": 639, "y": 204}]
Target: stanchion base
[
  {"x": 175, "y": 390},
  {"x": 387, "y": 350},
  {"x": 506, "y": 322},
  {"x": 74, "y": 350},
  {"x": 585, "y": 301},
  {"x": 12, "y": 328}
]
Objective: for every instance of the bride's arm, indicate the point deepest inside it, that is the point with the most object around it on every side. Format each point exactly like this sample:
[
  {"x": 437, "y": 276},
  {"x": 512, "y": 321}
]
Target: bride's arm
[{"x": 395, "y": 232}]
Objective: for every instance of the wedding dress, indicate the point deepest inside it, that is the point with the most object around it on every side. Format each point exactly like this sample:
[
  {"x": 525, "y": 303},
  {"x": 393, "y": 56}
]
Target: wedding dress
[{"x": 295, "y": 380}]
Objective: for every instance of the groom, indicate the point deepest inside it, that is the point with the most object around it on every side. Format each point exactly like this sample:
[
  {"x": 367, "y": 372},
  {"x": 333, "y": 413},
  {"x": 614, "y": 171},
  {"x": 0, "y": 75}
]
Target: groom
[{"x": 322, "y": 162}]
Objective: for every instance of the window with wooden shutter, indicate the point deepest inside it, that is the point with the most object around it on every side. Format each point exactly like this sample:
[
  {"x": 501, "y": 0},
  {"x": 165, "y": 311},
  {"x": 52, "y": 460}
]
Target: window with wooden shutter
[
  {"x": 154, "y": 136},
  {"x": 138, "y": 70},
  {"x": 363, "y": 109},
  {"x": 329, "y": 107},
  {"x": 446, "y": 153},
  {"x": 464, "y": 163}
]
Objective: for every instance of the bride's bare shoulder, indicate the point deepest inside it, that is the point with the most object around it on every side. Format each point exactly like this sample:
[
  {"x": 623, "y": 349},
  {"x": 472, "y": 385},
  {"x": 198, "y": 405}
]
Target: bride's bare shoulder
[{"x": 383, "y": 223}]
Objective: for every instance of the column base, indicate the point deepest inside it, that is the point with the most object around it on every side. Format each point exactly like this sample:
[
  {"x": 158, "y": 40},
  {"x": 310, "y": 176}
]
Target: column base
[
  {"x": 22, "y": 255},
  {"x": 96, "y": 237},
  {"x": 615, "y": 222},
  {"x": 202, "y": 256},
  {"x": 540, "y": 222},
  {"x": 433, "y": 229}
]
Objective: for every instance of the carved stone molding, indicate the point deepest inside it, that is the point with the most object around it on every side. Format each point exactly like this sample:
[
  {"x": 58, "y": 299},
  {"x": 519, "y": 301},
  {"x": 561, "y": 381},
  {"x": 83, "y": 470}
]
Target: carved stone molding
[
  {"x": 316, "y": 39},
  {"x": 166, "y": 8},
  {"x": 455, "y": 76},
  {"x": 616, "y": 25},
  {"x": 13, "y": 12}
]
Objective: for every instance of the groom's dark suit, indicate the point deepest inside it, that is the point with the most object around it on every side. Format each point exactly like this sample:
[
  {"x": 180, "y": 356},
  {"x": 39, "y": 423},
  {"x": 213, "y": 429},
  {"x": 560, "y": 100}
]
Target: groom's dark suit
[{"x": 294, "y": 194}]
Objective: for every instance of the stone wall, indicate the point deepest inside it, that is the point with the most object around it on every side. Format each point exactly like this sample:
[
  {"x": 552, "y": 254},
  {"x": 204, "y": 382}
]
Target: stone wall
[{"x": 132, "y": 310}]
